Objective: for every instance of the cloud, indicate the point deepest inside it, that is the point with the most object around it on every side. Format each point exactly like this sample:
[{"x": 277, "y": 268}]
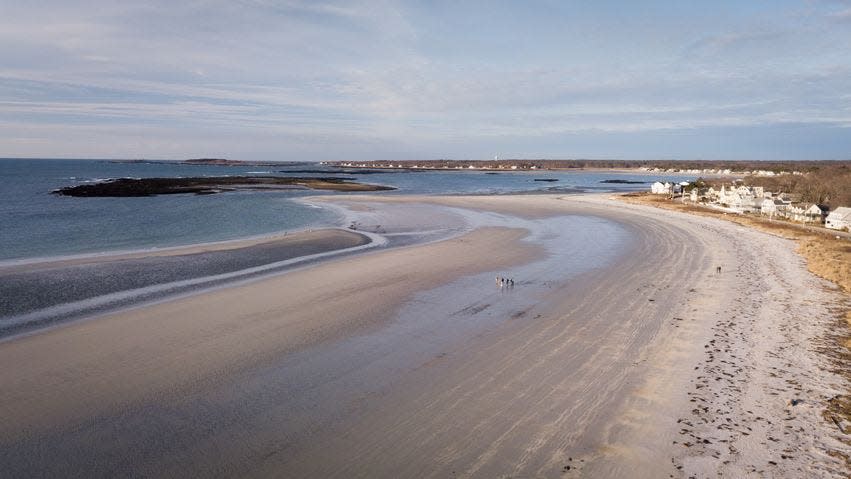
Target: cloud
[
  {"x": 352, "y": 76},
  {"x": 726, "y": 43},
  {"x": 841, "y": 16}
]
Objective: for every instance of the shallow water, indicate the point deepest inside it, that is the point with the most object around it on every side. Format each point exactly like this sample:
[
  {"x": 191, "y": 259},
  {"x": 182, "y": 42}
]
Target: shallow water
[
  {"x": 36, "y": 223},
  {"x": 44, "y": 296}
]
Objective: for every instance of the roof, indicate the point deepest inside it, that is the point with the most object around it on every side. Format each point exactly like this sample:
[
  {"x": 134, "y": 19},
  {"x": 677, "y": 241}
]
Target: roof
[
  {"x": 841, "y": 213},
  {"x": 817, "y": 208}
]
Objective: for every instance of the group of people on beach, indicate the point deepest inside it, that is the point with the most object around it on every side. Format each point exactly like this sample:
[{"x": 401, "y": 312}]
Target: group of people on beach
[{"x": 504, "y": 282}]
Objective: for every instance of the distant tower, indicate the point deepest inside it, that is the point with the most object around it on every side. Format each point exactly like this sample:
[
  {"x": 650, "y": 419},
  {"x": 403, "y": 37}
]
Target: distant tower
[{"x": 496, "y": 158}]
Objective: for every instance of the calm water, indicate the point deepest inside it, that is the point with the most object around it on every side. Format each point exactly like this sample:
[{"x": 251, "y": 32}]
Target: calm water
[{"x": 35, "y": 223}]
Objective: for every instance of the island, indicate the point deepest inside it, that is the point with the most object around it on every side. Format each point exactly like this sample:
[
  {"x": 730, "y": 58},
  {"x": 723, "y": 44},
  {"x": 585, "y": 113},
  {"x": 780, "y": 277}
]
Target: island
[
  {"x": 226, "y": 162},
  {"x": 624, "y": 182},
  {"x": 128, "y": 187}
]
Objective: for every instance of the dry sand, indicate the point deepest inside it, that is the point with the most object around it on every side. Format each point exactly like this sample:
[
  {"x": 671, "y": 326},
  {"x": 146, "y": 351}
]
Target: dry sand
[
  {"x": 93, "y": 367},
  {"x": 653, "y": 367},
  {"x": 752, "y": 402}
]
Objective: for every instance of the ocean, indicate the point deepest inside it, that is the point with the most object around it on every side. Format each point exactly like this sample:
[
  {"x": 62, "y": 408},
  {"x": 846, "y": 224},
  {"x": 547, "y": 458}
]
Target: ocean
[{"x": 38, "y": 224}]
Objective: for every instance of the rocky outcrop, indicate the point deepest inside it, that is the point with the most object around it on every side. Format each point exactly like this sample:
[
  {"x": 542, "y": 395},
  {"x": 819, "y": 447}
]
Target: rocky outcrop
[{"x": 127, "y": 187}]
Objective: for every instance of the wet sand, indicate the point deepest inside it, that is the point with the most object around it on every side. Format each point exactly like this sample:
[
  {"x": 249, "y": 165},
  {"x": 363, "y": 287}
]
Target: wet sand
[
  {"x": 144, "y": 353},
  {"x": 36, "y": 294},
  {"x": 356, "y": 368}
]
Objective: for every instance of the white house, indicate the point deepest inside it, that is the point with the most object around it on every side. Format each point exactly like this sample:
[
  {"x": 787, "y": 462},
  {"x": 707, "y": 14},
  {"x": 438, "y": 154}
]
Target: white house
[
  {"x": 839, "y": 219},
  {"x": 723, "y": 196},
  {"x": 816, "y": 213},
  {"x": 773, "y": 207},
  {"x": 659, "y": 188},
  {"x": 744, "y": 191},
  {"x": 712, "y": 194},
  {"x": 806, "y": 214},
  {"x": 746, "y": 204}
]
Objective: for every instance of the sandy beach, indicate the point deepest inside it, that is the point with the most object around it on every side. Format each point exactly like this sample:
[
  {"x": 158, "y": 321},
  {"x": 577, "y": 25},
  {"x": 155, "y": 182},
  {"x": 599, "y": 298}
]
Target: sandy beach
[
  {"x": 35, "y": 294},
  {"x": 411, "y": 362}
]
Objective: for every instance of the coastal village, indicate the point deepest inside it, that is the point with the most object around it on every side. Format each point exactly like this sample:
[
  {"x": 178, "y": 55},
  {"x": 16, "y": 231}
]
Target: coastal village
[
  {"x": 741, "y": 199},
  {"x": 432, "y": 165},
  {"x": 735, "y": 198},
  {"x": 514, "y": 165}
]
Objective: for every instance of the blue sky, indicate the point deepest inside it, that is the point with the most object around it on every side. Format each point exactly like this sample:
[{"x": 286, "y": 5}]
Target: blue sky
[{"x": 314, "y": 80}]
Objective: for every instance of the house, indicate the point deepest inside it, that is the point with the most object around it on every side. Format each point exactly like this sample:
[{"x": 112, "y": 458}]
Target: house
[
  {"x": 743, "y": 191},
  {"x": 724, "y": 197},
  {"x": 795, "y": 212},
  {"x": 739, "y": 199},
  {"x": 839, "y": 219},
  {"x": 712, "y": 195},
  {"x": 659, "y": 188},
  {"x": 807, "y": 214},
  {"x": 773, "y": 207},
  {"x": 816, "y": 213},
  {"x": 746, "y": 204}
]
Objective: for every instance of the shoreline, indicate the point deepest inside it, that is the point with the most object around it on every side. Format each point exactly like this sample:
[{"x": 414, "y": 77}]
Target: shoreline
[
  {"x": 223, "y": 304},
  {"x": 407, "y": 361},
  {"x": 826, "y": 255},
  {"x": 810, "y": 240},
  {"x": 189, "y": 248},
  {"x": 34, "y": 296}
]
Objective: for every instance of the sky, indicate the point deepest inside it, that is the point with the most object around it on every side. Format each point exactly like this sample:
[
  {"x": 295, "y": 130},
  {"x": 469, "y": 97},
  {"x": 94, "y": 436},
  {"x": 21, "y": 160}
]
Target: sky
[{"x": 321, "y": 80}]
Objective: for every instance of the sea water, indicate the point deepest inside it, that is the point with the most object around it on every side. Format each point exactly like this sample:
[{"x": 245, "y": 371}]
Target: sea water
[{"x": 35, "y": 223}]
